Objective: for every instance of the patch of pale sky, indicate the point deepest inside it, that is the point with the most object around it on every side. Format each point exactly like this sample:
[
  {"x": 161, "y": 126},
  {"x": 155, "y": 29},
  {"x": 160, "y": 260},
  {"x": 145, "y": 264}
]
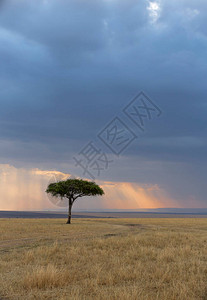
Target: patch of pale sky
[{"x": 154, "y": 10}]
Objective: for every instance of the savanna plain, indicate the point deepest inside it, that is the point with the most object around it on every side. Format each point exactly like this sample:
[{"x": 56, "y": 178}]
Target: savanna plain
[{"x": 139, "y": 258}]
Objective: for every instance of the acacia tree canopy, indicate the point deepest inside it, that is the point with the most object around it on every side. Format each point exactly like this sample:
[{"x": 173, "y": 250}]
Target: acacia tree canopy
[{"x": 73, "y": 189}]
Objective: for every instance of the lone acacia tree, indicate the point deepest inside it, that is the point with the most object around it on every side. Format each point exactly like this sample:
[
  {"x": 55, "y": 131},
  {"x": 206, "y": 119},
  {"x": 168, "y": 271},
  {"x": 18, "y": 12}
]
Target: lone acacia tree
[{"x": 73, "y": 189}]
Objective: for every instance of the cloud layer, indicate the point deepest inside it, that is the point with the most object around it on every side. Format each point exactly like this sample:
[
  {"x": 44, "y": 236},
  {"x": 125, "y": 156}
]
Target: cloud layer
[{"x": 68, "y": 67}]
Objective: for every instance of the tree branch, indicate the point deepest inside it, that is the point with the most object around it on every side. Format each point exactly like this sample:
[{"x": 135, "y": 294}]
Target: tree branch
[{"x": 79, "y": 195}]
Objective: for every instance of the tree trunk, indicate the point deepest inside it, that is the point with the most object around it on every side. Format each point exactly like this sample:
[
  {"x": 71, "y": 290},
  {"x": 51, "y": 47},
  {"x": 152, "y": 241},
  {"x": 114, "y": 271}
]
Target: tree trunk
[{"x": 69, "y": 211}]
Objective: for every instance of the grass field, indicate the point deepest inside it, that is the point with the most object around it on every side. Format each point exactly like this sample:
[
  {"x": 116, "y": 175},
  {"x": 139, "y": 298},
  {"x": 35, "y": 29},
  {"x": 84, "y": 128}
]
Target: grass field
[{"x": 103, "y": 259}]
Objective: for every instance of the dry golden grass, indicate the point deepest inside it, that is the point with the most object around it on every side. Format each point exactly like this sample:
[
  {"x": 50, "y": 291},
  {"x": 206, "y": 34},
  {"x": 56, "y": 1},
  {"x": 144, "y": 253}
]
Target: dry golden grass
[{"x": 149, "y": 259}]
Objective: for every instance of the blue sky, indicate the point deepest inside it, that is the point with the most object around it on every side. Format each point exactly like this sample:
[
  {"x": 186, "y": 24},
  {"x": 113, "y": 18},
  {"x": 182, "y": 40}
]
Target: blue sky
[{"x": 69, "y": 67}]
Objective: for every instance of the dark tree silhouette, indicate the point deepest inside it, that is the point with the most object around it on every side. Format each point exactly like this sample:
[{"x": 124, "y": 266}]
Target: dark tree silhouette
[{"x": 73, "y": 189}]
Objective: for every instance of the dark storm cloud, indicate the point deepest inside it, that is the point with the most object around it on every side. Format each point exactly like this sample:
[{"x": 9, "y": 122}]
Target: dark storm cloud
[{"x": 68, "y": 67}]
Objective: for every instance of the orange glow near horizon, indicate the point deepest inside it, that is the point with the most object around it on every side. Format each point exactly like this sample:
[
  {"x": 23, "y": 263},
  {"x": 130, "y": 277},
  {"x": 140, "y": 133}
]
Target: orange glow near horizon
[
  {"x": 22, "y": 189},
  {"x": 127, "y": 195}
]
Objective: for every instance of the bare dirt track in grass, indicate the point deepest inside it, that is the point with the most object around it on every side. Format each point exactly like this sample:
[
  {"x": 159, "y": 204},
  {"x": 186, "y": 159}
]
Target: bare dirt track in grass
[{"x": 103, "y": 259}]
